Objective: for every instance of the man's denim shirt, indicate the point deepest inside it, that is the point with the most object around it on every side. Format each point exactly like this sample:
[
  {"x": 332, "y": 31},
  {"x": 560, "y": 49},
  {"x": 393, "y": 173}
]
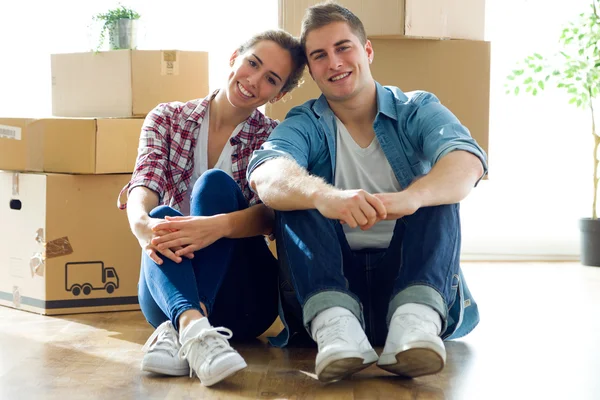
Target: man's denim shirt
[
  {"x": 413, "y": 128},
  {"x": 414, "y": 131}
]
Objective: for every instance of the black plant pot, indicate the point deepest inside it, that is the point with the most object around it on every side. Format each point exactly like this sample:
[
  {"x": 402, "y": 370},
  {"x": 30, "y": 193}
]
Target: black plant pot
[{"x": 590, "y": 241}]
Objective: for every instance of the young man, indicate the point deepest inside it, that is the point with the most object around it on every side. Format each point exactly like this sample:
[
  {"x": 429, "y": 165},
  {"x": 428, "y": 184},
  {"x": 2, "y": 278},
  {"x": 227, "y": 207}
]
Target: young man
[{"x": 366, "y": 182}]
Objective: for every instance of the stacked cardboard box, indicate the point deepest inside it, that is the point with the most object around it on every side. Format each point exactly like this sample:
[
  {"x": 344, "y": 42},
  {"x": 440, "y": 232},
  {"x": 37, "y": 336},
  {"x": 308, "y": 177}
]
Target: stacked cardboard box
[
  {"x": 432, "y": 45},
  {"x": 65, "y": 247}
]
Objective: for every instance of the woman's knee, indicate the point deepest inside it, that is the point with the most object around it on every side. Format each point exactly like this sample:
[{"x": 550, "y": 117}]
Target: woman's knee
[
  {"x": 216, "y": 192},
  {"x": 215, "y": 181}
]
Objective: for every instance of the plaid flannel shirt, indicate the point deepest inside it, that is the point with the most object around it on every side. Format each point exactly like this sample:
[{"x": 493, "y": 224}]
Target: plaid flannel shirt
[{"x": 165, "y": 160}]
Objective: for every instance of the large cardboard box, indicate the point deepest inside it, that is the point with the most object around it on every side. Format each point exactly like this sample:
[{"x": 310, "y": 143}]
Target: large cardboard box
[
  {"x": 77, "y": 146},
  {"x": 125, "y": 83},
  {"x": 65, "y": 247},
  {"x": 451, "y": 19},
  {"x": 456, "y": 71}
]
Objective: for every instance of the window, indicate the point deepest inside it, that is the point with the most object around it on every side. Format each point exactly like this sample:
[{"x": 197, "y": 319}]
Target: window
[{"x": 540, "y": 148}]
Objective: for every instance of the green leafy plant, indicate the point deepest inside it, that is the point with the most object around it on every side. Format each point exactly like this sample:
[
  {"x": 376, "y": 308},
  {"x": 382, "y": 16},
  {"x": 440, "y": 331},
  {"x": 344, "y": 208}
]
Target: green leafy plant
[
  {"x": 110, "y": 18},
  {"x": 573, "y": 68}
]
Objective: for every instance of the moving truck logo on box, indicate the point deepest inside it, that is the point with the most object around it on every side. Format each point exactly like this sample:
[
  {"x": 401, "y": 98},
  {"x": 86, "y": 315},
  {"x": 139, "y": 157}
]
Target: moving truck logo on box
[{"x": 91, "y": 275}]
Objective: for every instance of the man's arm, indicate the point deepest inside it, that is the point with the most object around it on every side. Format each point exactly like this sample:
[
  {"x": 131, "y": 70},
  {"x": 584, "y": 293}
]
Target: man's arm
[
  {"x": 458, "y": 162},
  {"x": 283, "y": 185},
  {"x": 449, "y": 181}
]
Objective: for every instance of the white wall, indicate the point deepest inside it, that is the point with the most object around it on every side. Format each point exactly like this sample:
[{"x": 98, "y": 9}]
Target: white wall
[
  {"x": 540, "y": 148},
  {"x": 31, "y": 30}
]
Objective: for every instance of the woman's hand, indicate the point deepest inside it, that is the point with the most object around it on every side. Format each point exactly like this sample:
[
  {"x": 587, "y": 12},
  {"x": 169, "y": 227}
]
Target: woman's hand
[
  {"x": 145, "y": 232},
  {"x": 189, "y": 234}
]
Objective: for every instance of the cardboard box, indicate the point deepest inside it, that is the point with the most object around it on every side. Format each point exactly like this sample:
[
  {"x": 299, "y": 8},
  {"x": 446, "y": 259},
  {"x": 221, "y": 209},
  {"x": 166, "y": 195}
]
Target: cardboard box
[
  {"x": 456, "y": 71},
  {"x": 451, "y": 19},
  {"x": 125, "y": 83},
  {"x": 65, "y": 247},
  {"x": 77, "y": 146}
]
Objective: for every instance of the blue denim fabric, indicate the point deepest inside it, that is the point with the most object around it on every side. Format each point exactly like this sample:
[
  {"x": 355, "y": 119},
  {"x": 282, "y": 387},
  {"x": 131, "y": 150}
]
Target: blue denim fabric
[
  {"x": 414, "y": 131},
  {"x": 236, "y": 279},
  {"x": 421, "y": 265}
]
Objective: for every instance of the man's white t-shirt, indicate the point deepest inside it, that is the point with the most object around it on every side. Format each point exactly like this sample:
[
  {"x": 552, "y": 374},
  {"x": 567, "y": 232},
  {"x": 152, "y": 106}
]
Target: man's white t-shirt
[
  {"x": 367, "y": 169},
  {"x": 201, "y": 158}
]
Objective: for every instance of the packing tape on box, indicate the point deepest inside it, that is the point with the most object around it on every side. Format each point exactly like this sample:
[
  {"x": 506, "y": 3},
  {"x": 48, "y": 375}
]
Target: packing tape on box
[
  {"x": 37, "y": 265},
  {"x": 15, "y": 184},
  {"x": 16, "y": 297},
  {"x": 58, "y": 247},
  {"x": 39, "y": 236},
  {"x": 169, "y": 62},
  {"x": 37, "y": 262}
]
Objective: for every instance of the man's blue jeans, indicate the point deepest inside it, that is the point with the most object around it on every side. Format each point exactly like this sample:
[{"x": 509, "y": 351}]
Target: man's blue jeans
[
  {"x": 236, "y": 279},
  {"x": 421, "y": 265}
]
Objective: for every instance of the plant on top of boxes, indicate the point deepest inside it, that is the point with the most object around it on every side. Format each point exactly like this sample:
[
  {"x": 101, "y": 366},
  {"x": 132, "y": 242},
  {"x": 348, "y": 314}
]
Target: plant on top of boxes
[{"x": 121, "y": 25}]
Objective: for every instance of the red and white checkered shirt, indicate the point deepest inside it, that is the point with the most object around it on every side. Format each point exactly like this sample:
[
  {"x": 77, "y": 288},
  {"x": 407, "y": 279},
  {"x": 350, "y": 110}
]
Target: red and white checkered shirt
[{"x": 165, "y": 160}]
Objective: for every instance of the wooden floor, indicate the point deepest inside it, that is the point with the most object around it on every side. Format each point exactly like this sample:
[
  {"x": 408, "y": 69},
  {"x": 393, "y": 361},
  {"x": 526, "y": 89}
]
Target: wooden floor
[{"x": 539, "y": 339}]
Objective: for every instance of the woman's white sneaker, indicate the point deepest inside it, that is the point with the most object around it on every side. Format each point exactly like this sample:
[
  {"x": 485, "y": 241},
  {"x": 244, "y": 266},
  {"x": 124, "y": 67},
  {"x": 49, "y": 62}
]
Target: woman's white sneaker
[
  {"x": 162, "y": 352},
  {"x": 208, "y": 352},
  {"x": 343, "y": 345}
]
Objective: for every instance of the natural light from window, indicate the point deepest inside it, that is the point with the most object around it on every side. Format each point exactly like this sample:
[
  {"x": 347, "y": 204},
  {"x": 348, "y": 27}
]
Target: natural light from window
[{"x": 540, "y": 148}]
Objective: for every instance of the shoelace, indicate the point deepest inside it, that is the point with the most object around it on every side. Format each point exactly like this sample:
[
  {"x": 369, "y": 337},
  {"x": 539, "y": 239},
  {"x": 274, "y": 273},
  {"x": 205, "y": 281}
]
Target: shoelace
[
  {"x": 333, "y": 330},
  {"x": 409, "y": 320},
  {"x": 166, "y": 339},
  {"x": 211, "y": 340}
]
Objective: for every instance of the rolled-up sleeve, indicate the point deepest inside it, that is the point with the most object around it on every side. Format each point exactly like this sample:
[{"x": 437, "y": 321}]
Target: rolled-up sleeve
[
  {"x": 291, "y": 139},
  {"x": 151, "y": 163},
  {"x": 439, "y": 131}
]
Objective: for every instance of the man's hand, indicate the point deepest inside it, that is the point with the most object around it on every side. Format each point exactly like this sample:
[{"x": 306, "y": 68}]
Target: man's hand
[
  {"x": 189, "y": 234},
  {"x": 352, "y": 207},
  {"x": 145, "y": 232},
  {"x": 399, "y": 204}
]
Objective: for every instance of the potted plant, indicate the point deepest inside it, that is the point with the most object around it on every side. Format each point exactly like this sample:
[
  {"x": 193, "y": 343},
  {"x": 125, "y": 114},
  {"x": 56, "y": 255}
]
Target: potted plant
[
  {"x": 575, "y": 68},
  {"x": 121, "y": 25}
]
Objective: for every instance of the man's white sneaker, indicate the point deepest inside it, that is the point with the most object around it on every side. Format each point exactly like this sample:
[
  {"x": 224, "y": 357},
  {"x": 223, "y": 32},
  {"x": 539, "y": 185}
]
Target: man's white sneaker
[
  {"x": 208, "y": 352},
  {"x": 343, "y": 345},
  {"x": 162, "y": 350},
  {"x": 413, "y": 347}
]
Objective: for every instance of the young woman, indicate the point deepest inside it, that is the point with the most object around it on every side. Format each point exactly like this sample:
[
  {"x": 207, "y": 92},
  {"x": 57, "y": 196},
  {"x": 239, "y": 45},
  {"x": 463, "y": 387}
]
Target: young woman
[{"x": 200, "y": 226}]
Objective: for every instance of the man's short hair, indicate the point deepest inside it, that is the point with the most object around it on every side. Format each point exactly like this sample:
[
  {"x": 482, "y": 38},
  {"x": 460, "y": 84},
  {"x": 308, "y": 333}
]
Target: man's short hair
[{"x": 323, "y": 14}]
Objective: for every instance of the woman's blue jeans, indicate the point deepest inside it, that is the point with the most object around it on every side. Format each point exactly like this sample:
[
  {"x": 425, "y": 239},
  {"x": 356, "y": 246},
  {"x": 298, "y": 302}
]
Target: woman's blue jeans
[{"x": 236, "y": 279}]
